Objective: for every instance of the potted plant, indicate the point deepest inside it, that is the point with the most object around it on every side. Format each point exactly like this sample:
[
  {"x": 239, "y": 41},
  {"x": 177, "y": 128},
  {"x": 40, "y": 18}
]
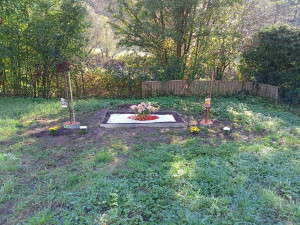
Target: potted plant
[
  {"x": 226, "y": 130},
  {"x": 83, "y": 129}
]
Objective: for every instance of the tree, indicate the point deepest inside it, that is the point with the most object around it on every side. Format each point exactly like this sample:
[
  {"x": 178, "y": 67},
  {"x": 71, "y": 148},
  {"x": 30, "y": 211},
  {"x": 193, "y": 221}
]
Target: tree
[
  {"x": 171, "y": 30},
  {"x": 35, "y": 35},
  {"x": 162, "y": 28},
  {"x": 273, "y": 56},
  {"x": 102, "y": 45}
]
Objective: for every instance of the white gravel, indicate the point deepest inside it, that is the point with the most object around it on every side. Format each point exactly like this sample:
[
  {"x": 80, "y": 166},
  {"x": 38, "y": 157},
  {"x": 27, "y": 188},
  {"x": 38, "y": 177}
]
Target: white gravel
[{"x": 123, "y": 118}]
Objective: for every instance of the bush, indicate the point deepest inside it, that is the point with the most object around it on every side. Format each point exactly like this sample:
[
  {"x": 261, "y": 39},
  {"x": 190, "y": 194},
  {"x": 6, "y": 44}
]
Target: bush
[
  {"x": 152, "y": 68},
  {"x": 111, "y": 83},
  {"x": 273, "y": 57}
]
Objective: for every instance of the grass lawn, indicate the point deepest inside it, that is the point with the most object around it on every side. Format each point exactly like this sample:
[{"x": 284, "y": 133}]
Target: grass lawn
[{"x": 149, "y": 175}]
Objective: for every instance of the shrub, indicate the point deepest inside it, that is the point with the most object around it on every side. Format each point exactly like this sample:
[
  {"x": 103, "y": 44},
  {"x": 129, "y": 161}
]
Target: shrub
[
  {"x": 112, "y": 83},
  {"x": 273, "y": 56}
]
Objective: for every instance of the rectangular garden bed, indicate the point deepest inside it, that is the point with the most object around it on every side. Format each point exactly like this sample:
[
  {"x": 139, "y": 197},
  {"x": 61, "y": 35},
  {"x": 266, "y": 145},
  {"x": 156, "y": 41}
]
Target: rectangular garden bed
[{"x": 114, "y": 119}]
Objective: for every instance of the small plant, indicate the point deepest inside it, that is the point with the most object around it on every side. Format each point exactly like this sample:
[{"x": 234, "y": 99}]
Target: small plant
[
  {"x": 53, "y": 131},
  {"x": 143, "y": 110},
  {"x": 235, "y": 135},
  {"x": 226, "y": 130},
  {"x": 194, "y": 130},
  {"x": 83, "y": 129},
  {"x": 204, "y": 130},
  {"x": 103, "y": 157},
  {"x": 258, "y": 128}
]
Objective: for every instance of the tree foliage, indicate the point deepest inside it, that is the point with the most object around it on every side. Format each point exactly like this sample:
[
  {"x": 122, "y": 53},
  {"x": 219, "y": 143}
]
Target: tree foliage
[
  {"x": 160, "y": 39},
  {"x": 274, "y": 55},
  {"x": 172, "y": 30},
  {"x": 187, "y": 37},
  {"x": 102, "y": 45},
  {"x": 35, "y": 36}
]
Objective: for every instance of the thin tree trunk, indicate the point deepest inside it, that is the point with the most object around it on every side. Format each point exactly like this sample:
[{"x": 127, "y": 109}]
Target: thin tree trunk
[
  {"x": 82, "y": 80},
  {"x": 296, "y": 14},
  {"x": 44, "y": 84},
  {"x": 276, "y": 13},
  {"x": 19, "y": 91},
  {"x": 38, "y": 87}
]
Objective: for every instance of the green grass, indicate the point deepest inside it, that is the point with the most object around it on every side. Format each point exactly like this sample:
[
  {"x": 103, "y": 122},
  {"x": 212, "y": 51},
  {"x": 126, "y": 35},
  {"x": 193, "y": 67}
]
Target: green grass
[{"x": 161, "y": 177}]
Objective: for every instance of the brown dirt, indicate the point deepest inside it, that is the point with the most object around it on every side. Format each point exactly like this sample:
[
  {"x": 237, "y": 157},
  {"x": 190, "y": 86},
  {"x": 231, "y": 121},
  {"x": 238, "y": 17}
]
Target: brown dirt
[
  {"x": 104, "y": 137},
  {"x": 5, "y": 209}
]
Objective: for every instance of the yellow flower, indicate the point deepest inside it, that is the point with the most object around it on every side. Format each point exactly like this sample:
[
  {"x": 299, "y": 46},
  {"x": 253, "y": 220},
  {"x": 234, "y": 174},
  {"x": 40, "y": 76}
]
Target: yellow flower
[
  {"x": 53, "y": 128},
  {"x": 195, "y": 129}
]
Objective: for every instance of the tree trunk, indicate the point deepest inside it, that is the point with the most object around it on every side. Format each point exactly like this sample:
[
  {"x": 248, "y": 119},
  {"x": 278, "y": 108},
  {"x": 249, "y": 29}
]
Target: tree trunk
[
  {"x": 82, "y": 80},
  {"x": 296, "y": 14},
  {"x": 44, "y": 84},
  {"x": 276, "y": 13}
]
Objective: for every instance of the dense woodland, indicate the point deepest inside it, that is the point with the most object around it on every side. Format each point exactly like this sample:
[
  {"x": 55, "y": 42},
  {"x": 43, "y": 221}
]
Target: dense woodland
[{"x": 110, "y": 47}]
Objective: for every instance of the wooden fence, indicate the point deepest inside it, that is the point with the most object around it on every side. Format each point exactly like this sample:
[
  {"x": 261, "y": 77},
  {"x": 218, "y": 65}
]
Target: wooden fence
[{"x": 201, "y": 88}]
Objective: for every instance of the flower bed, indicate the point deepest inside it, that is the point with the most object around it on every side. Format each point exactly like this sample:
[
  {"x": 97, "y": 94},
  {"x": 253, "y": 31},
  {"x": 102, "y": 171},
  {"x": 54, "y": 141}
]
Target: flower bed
[
  {"x": 126, "y": 119},
  {"x": 146, "y": 118}
]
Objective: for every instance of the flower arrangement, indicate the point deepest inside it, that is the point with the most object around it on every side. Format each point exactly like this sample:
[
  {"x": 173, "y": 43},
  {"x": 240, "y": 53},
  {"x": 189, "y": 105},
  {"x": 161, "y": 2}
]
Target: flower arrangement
[
  {"x": 53, "y": 131},
  {"x": 194, "y": 130},
  {"x": 143, "y": 110}
]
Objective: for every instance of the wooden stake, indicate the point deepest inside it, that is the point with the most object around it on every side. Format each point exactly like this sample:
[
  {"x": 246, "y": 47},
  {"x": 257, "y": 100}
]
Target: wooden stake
[
  {"x": 210, "y": 91},
  {"x": 207, "y": 114},
  {"x": 71, "y": 94},
  {"x": 211, "y": 82},
  {"x": 68, "y": 98}
]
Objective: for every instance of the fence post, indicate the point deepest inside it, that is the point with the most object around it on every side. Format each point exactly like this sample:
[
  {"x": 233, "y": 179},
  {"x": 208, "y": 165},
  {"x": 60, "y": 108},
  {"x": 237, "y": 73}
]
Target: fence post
[{"x": 294, "y": 88}]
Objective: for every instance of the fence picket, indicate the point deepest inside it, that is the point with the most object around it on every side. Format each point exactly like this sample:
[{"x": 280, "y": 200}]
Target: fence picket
[{"x": 180, "y": 87}]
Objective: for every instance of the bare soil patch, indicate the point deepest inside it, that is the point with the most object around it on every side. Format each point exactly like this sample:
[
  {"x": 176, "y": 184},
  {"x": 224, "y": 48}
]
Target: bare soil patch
[
  {"x": 5, "y": 209},
  {"x": 104, "y": 137}
]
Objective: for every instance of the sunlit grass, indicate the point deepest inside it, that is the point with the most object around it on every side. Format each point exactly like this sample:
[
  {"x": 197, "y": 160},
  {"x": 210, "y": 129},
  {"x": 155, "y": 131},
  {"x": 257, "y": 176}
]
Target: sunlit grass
[
  {"x": 17, "y": 113},
  {"x": 191, "y": 180}
]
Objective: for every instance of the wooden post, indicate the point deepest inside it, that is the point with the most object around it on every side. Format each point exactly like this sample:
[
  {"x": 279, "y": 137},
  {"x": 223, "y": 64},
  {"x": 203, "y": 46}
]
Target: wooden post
[
  {"x": 210, "y": 91},
  {"x": 206, "y": 121},
  {"x": 71, "y": 94},
  {"x": 211, "y": 82},
  {"x": 207, "y": 114},
  {"x": 294, "y": 89},
  {"x": 68, "y": 98}
]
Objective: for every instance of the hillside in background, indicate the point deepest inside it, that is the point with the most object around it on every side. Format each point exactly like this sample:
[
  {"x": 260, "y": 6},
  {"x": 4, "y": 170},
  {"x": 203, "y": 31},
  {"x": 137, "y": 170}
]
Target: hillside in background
[
  {"x": 100, "y": 6},
  {"x": 102, "y": 44}
]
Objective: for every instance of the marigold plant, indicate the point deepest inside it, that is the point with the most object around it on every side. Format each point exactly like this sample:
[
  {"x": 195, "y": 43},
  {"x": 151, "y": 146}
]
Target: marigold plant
[
  {"x": 194, "y": 130},
  {"x": 53, "y": 131}
]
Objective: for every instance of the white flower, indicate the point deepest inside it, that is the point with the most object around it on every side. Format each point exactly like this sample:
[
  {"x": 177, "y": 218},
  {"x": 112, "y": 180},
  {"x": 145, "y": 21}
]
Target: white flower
[{"x": 133, "y": 107}]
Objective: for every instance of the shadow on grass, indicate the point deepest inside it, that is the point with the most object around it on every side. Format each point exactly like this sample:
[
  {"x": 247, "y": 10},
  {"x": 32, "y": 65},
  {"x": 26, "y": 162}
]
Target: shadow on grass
[
  {"x": 196, "y": 181},
  {"x": 191, "y": 183}
]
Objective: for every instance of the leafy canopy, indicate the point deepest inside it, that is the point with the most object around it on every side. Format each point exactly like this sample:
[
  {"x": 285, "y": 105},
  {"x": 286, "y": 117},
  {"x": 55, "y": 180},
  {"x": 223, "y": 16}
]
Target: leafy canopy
[{"x": 274, "y": 55}]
